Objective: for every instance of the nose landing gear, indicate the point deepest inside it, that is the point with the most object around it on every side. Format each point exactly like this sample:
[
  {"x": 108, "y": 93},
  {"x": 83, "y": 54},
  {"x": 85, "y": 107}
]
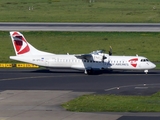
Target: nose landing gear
[{"x": 146, "y": 71}]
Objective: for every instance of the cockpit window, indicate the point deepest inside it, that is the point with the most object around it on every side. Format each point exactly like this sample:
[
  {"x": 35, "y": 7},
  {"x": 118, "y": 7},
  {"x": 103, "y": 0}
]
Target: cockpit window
[{"x": 144, "y": 60}]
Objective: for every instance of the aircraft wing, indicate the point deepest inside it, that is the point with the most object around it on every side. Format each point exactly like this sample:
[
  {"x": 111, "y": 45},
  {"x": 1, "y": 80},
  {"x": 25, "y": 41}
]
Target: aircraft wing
[
  {"x": 95, "y": 55},
  {"x": 85, "y": 56}
]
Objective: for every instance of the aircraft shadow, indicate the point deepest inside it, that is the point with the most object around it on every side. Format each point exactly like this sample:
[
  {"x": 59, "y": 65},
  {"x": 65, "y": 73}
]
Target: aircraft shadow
[
  {"x": 131, "y": 72},
  {"x": 60, "y": 71},
  {"x": 95, "y": 73}
]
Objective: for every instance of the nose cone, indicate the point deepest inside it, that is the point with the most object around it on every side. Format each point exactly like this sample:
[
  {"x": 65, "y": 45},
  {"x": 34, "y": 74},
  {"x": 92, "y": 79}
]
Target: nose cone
[{"x": 153, "y": 65}]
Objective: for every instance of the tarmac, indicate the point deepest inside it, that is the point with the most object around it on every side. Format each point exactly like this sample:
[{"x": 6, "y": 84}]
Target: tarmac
[{"x": 32, "y": 95}]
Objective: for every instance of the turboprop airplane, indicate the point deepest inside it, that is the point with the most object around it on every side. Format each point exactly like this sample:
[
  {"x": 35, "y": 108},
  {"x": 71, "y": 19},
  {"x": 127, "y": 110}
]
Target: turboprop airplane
[{"x": 89, "y": 63}]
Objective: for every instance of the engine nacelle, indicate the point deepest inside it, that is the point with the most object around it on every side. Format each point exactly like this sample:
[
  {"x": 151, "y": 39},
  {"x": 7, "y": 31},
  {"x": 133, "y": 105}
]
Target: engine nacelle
[{"x": 100, "y": 57}]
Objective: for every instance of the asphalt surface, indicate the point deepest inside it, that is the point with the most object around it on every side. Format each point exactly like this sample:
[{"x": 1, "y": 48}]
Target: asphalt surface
[
  {"x": 123, "y": 27},
  {"x": 38, "y": 93}
]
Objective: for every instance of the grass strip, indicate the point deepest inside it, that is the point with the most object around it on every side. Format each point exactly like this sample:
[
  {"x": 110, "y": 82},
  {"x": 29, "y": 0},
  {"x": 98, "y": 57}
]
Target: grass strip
[
  {"x": 114, "y": 103},
  {"x": 106, "y": 11}
]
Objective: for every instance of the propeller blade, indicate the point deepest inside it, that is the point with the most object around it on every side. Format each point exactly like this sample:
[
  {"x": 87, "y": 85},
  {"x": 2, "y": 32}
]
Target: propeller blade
[{"x": 110, "y": 51}]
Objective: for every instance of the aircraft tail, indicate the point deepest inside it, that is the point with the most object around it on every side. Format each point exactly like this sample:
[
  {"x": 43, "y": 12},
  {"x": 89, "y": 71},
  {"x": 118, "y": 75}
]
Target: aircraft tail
[{"x": 22, "y": 47}]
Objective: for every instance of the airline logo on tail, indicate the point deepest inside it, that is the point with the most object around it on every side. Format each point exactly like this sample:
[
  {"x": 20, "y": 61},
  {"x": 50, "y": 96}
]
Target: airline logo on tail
[
  {"x": 20, "y": 43},
  {"x": 133, "y": 62}
]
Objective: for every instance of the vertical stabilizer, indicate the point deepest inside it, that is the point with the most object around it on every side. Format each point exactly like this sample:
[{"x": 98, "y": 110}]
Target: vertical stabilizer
[{"x": 22, "y": 47}]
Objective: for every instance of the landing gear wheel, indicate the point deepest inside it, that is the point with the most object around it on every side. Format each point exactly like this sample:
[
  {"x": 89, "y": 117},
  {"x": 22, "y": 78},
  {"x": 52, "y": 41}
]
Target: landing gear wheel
[{"x": 88, "y": 72}]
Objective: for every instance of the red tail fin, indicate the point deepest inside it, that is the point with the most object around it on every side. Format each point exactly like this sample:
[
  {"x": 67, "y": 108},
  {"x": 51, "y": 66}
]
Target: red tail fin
[
  {"x": 19, "y": 42},
  {"x": 22, "y": 47}
]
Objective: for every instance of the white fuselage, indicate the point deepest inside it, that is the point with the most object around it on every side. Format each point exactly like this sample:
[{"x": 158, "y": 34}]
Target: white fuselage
[{"x": 70, "y": 61}]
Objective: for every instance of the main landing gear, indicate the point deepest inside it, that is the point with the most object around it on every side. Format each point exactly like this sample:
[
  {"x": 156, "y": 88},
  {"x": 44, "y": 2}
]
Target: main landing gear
[{"x": 88, "y": 72}]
